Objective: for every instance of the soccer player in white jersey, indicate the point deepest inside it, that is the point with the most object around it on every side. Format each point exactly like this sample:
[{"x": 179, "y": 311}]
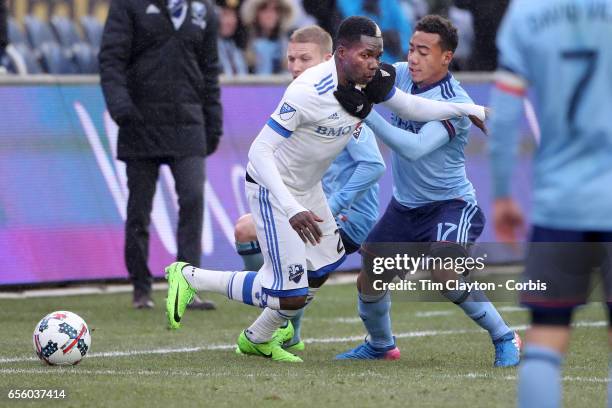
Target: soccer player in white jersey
[
  {"x": 295, "y": 227},
  {"x": 350, "y": 184}
]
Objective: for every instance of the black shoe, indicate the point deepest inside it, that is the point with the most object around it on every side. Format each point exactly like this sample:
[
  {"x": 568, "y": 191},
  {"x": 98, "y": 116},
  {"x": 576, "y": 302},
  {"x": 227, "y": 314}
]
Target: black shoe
[
  {"x": 199, "y": 304},
  {"x": 142, "y": 301}
]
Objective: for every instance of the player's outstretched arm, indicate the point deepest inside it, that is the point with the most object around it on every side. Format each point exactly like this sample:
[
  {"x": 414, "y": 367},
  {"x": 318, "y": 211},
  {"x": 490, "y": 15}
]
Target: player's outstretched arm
[
  {"x": 410, "y": 146},
  {"x": 420, "y": 109}
]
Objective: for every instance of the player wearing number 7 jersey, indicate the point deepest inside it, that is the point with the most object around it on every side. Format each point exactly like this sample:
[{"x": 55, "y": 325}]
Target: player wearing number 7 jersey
[{"x": 562, "y": 49}]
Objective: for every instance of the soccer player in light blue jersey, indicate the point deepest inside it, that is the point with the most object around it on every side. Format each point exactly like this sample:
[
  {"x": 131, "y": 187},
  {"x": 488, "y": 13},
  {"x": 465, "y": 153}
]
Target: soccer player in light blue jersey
[
  {"x": 433, "y": 200},
  {"x": 350, "y": 184},
  {"x": 562, "y": 50}
]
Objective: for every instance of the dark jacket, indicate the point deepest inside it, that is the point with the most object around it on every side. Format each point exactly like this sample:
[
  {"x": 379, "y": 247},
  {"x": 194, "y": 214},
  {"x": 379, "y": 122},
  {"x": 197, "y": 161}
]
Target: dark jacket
[
  {"x": 487, "y": 16},
  {"x": 3, "y": 26},
  {"x": 161, "y": 85}
]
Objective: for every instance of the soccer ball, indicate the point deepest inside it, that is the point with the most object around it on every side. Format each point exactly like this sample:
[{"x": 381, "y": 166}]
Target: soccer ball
[{"x": 61, "y": 338}]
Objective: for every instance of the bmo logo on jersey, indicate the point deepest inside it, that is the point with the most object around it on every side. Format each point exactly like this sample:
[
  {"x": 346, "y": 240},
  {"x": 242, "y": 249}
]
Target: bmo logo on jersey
[{"x": 334, "y": 131}]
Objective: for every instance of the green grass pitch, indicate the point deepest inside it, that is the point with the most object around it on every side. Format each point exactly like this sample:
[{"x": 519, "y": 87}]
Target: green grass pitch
[{"x": 135, "y": 362}]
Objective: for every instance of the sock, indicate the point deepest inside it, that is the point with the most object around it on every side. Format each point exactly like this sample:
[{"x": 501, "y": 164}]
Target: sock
[
  {"x": 296, "y": 321},
  {"x": 539, "y": 383},
  {"x": 477, "y": 306},
  {"x": 241, "y": 286},
  {"x": 263, "y": 328},
  {"x": 250, "y": 252},
  {"x": 374, "y": 312}
]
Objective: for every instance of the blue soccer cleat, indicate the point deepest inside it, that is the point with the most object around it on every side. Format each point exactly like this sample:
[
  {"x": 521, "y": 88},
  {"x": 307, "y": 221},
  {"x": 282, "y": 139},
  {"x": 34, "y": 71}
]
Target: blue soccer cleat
[
  {"x": 366, "y": 351},
  {"x": 507, "y": 350}
]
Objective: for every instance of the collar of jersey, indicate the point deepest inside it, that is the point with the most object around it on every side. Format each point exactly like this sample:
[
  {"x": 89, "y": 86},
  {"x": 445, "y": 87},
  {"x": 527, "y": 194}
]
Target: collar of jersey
[{"x": 415, "y": 91}]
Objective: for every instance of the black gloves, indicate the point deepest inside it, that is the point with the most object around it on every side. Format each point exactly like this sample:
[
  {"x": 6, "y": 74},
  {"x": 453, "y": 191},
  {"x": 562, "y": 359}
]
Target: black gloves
[
  {"x": 359, "y": 103},
  {"x": 382, "y": 83},
  {"x": 353, "y": 101}
]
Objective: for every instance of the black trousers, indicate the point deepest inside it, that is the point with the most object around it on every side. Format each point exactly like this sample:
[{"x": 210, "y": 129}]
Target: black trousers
[{"x": 142, "y": 175}]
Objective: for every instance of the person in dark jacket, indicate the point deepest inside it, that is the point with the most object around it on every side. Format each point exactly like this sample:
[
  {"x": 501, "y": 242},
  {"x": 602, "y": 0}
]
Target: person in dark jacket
[
  {"x": 3, "y": 28},
  {"x": 159, "y": 75},
  {"x": 487, "y": 18}
]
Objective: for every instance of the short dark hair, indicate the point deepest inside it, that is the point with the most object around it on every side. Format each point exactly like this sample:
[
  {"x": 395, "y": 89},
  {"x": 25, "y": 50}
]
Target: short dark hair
[
  {"x": 434, "y": 24},
  {"x": 352, "y": 28}
]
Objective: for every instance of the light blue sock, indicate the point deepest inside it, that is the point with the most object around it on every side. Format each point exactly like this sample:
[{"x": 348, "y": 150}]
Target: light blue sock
[
  {"x": 250, "y": 252},
  {"x": 375, "y": 314},
  {"x": 296, "y": 321},
  {"x": 539, "y": 384},
  {"x": 479, "y": 308}
]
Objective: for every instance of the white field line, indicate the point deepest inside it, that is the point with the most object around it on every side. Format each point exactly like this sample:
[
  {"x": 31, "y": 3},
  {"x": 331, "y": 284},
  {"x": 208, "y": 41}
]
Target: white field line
[
  {"x": 337, "y": 279},
  {"x": 295, "y": 374},
  {"x": 324, "y": 340}
]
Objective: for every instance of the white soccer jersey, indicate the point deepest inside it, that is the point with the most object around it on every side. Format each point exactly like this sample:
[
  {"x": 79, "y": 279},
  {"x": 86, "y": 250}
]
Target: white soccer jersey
[{"x": 317, "y": 128}]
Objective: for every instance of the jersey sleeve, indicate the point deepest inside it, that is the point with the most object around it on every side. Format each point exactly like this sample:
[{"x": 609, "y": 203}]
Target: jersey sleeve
[
  {"x": 294, "y": 109},
  {"x": 510, "y": 43},
  {"x": 364, "y": 147}
]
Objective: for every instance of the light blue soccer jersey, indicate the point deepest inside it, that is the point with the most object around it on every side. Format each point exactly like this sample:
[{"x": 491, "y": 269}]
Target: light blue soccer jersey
[
  {"x": 563, "y": 49},
  {"x": 439, "y": 175},
  {"x": 359, "y": 204}
]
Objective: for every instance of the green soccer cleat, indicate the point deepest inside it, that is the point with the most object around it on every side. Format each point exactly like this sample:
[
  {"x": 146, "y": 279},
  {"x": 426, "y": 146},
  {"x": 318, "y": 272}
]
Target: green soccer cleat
[
  {"x": 299, "y": 346},
  {"x": 180, "y": 294},
  {"x": 271, "y": 349},
  {"x": 284, "y": 334}
]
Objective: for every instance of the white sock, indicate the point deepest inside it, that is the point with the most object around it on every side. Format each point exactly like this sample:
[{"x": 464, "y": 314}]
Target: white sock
[
  {"x": 269, "y": 320},
  {"x": 204, "y": 279},
  {"x": 241, "y": 286}
]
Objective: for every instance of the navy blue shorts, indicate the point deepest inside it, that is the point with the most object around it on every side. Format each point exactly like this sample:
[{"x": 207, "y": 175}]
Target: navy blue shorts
[
  {"x": 564, "y": 260},
  {"x": 443, "y": 221}
]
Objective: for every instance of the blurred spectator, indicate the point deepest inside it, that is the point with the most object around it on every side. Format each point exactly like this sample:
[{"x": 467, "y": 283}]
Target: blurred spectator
[
  {"x": 462, "y": 19},
  {"x": 160, "y": 79},
  {"x": 389, "y": 16},
  {"x": 325, "y": 12},
  {"x": 231, "y": 56},
  {"x": 268, "y": 23},
  {"x": 241, "y": 35},
  {"x": 3, "y": 29},
  {"x": 487, "y": 18},
  {"x": 302, "y": 18},
  {"x": 414, "y": 9}
]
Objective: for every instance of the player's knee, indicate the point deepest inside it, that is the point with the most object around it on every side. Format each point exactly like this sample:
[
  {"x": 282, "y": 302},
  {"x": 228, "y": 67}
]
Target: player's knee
[
  {"x": 245, "y": 230},
  {"x": 551, "y": 316},
  {"x": 293, "y": 302},
  {"x": 447, "y": 250},
  {"x": 317, "y": 282}
]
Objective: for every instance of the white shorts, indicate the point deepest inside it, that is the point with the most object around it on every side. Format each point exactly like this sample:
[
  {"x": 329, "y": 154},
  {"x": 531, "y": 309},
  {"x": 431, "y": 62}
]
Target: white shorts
[{"x": 288, "y": 261}]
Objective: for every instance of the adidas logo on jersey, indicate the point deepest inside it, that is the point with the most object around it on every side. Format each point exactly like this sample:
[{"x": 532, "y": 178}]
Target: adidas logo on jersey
[{"x": 334, "y": 116}]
